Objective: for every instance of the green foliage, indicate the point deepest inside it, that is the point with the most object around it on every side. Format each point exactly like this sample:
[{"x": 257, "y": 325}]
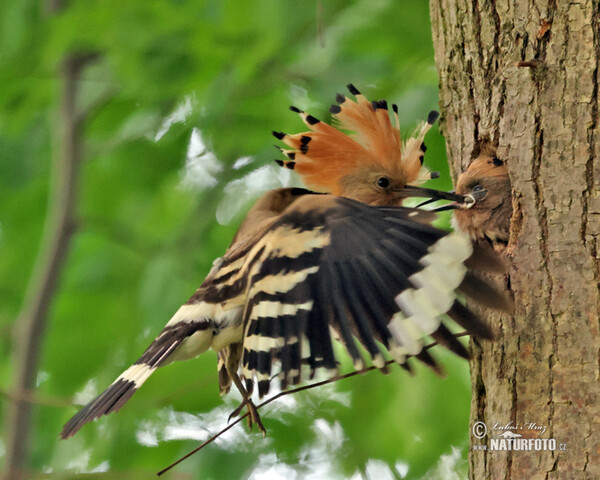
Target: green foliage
[{"x": 147, "y": 235}]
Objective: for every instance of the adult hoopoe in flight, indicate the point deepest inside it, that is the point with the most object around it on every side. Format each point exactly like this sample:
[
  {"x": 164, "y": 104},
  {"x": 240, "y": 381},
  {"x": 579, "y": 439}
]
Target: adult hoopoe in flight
[{"x": 307, "y": 267}]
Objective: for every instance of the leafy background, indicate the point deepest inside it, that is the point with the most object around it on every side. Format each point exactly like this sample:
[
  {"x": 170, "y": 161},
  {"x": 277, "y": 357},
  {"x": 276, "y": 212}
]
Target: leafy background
[{"x": 180, "y": 105}]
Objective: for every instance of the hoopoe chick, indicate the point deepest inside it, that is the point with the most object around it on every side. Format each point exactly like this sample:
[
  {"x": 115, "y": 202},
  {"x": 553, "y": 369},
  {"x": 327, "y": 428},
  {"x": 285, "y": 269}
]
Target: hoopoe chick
[
  {"x": 372, "y": 164},
  {"x": 489, "y": 217}
]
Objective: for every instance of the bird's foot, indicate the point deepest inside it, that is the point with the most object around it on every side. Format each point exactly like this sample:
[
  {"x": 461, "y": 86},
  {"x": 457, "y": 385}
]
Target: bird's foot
[{"x": 253, "y": 417}]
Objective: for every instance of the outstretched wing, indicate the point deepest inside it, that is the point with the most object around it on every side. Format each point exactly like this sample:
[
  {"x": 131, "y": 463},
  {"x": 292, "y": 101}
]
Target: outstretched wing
[{"x": 333, "y": 267}]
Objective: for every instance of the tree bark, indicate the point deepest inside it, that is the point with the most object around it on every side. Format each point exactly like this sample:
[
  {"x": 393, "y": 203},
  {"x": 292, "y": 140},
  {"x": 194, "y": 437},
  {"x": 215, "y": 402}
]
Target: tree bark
[{"x": 523, "y": 75}]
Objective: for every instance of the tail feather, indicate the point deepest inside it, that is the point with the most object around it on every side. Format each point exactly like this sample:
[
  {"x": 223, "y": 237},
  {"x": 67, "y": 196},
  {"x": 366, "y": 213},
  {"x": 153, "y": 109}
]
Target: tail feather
[
  {"x": 111, "y": 400},
  {"x": 159, "y": 352}
]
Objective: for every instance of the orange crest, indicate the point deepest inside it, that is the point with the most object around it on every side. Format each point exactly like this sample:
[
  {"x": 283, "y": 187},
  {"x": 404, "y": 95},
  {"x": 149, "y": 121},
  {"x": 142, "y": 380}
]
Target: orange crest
[{"x": 325, "y": 155}]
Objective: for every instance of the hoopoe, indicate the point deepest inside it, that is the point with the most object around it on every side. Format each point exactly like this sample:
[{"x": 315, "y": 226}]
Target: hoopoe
[
  {"x": 488, "y": 218},
  {"x": 304, "y": 268}
]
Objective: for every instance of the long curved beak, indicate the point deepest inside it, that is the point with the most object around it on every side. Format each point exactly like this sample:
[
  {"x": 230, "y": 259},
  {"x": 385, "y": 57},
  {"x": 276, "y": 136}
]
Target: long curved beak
[
  {"x": 431, "y": 200},
  {"x": 414, "y": 191}
]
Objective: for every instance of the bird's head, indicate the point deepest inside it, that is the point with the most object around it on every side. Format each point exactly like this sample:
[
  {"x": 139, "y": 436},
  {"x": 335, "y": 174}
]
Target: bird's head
[
  {"x": 371, "y": 164},
  {"x": 486, "y": 180}
]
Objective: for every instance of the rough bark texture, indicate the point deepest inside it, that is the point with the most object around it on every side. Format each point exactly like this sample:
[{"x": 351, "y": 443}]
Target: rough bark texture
[{"x": 523, "y": 74}]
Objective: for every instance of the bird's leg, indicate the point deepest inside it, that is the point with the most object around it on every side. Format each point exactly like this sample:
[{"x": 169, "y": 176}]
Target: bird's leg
[
  {"x": 232, "y": 363},
  {"x": 245, "y": 397},
  {"x": 254, "y": 417}
]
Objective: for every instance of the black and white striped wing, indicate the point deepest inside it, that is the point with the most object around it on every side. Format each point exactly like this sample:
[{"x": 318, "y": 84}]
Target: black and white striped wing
[{"x": 333, "y": 267}]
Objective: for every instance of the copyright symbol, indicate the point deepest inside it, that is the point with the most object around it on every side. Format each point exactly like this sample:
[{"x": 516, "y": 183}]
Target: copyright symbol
[{"x": 479, "y": 430}]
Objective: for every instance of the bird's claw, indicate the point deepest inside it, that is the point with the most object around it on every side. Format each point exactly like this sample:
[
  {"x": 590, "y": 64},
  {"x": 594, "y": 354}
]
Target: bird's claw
[
  {"x": 253, "y": 417},
  {"x": 236, "y": 412}
]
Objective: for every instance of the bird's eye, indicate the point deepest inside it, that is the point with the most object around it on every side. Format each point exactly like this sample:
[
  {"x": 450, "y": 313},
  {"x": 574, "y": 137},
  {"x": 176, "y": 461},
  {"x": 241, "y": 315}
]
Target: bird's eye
[
  {"x": 477, "y": 188},
  {"x": 383, "y": 182}
]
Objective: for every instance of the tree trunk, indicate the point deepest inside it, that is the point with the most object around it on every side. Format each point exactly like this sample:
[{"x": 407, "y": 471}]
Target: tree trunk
[{"x": 523, "y": 75}]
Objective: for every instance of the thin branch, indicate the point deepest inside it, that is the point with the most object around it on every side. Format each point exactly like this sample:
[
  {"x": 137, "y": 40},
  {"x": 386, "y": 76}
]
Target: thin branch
[
  {"x": 58, "y": 231},
  {"x": 290, "y": 392}
]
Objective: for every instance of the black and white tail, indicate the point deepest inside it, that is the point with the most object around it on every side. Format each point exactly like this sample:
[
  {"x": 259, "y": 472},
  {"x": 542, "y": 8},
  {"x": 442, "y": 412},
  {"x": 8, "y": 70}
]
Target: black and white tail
[{"x": 184, "y": 336}]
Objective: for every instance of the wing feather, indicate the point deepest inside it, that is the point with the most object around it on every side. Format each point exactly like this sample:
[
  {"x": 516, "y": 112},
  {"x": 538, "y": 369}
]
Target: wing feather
[
  {"x": 318, "y": 332},
  {"x": 381, "y": 276},
  {"x": 341, "y": 321},
  {"x": 366, "y": 330}
]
